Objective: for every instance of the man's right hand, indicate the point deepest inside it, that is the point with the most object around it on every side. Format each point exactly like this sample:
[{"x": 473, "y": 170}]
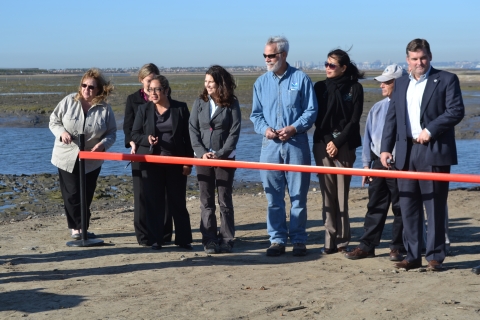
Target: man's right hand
[
  {"x": 384, "y": 156},
  {"x": 271, "y": 133}
]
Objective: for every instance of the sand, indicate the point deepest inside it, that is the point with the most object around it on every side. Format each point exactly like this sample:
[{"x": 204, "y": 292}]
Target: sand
[{"x": 42, "y": 278}]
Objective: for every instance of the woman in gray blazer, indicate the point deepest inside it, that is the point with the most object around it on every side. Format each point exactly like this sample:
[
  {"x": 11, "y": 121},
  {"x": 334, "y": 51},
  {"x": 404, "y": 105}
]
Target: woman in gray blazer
[{"x": 214, "y": 132}]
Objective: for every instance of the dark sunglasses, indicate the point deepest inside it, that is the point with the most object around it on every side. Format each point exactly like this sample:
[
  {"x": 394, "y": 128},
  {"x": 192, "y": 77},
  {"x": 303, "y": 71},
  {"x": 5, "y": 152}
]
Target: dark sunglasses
[
  {"x": 389, "y": 81},
  {"x": 330, "y": 65},
  {"x": 271, "y": 56},
  {"x": 87, "y": 86}
]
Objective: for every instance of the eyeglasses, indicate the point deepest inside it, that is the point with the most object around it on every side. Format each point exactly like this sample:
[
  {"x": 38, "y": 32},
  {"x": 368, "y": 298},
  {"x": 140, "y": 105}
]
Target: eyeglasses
[
  {"x": 271, "y": 56},
  {"x": 330, "y": 65},
  {"x": 154, "y": 90},
  {"x": 388, "y": 82},
  {"x": 84, "y": 85}
]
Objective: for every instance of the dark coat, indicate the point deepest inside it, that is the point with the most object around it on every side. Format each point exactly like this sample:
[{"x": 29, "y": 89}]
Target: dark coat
[
  {"x": 442, "y": 108},
  {"x": 133, "y": 101},
  {"x": 144, "y": 126},
  {"x": 220, "y": 133},
  {"x": 353, "y": 101}
]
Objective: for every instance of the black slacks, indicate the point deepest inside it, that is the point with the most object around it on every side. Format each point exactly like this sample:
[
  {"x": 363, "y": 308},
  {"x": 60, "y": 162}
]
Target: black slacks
[
  {"x": 414, "y": 194},
  {"x": 160, "y": 180},
  {"x": 139, "y": 212},
  {"x": 210, "y": 178},
  {"x": 70, "y": 188},
  {"x": 382, "y": 192}
]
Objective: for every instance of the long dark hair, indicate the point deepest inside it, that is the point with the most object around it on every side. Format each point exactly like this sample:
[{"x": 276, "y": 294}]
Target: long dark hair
[
  {"x": 344, "y": 60},
  {"x": 225, "y": 86}
]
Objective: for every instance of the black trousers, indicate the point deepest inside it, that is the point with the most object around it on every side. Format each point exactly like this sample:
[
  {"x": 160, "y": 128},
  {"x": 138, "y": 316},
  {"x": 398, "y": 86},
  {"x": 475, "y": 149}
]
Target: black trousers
[
  {"x": 139, "y": 213},
  {"x": 161, "y": 181},
  {"x": 382, "y": 192},
  {"x": 210, "y": 178},
  {"x": 414, "y": 194},
  {"x": 70, "y": 188}
]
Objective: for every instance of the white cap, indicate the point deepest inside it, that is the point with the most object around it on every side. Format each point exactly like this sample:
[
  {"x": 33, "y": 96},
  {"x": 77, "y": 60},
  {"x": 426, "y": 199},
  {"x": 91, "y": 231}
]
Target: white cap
[{"x": 393, "y": 71}]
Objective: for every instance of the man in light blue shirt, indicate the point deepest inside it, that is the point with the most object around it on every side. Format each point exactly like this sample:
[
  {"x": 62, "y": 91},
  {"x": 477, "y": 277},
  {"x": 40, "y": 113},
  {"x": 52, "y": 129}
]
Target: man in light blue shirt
[
  {"x": 381, "y": 191},
  {"x": 284, "y": 108}
]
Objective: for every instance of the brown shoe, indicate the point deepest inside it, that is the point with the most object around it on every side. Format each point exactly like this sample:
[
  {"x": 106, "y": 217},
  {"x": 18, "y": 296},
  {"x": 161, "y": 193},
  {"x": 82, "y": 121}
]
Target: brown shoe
[
  {"x": 395, "y": 255},
  {"x": 434, "y": 266},
  {"x": 358, "y": 253},
  {"x": 408, "y": 265}
]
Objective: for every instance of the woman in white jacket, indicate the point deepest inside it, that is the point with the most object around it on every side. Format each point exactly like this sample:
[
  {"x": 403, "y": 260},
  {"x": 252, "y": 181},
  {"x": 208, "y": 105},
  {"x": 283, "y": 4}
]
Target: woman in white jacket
[{"x": 83, "y": 112}]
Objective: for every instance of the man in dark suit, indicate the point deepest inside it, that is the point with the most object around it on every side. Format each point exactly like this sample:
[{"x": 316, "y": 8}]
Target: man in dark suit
[{"x": 424, "y": 109}]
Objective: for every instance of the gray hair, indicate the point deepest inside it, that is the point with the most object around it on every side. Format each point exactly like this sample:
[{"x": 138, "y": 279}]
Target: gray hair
[{"x": 280, "y": 41}]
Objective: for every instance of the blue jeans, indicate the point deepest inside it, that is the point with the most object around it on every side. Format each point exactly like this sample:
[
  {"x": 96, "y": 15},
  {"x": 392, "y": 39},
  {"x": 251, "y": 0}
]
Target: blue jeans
[{"x": 294, "y": 151}]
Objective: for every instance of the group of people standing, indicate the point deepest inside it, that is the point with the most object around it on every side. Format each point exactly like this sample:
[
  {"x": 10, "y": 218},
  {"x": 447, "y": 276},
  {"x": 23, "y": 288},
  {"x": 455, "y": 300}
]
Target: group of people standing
[
  {"x": 156, "y": 124},
  {"x": 416, "y": 118}
]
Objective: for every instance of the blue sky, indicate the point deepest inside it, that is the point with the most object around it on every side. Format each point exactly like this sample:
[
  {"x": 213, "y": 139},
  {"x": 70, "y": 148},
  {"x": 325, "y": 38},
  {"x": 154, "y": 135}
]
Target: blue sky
[{"x": 69, "y": 33}]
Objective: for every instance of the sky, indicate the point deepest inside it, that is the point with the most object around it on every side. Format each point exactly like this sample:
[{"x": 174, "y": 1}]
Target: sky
[{"x": 51, "y": 34}]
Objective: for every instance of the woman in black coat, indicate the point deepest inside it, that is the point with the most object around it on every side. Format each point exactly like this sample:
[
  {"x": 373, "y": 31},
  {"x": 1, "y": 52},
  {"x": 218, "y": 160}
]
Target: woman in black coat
[
  {"x": 336, "y": 136},
  {"x": 161, "y": 128},
  {"x": 134, "y": 100}
]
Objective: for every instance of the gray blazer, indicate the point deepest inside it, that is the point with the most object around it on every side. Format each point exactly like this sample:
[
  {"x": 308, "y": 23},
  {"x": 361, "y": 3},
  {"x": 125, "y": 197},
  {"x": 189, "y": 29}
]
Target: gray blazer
[{"x": 220, "y": 133}]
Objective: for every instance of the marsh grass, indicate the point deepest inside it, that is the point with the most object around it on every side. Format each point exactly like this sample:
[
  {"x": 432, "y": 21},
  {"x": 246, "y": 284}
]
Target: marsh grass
[{"x": 185, "y": 87}]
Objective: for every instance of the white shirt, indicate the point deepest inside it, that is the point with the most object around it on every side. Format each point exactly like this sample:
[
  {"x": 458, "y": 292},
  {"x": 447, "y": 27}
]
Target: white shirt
[
  {"x": 213, "y": 107},
  {"x": 414, "y": 102}
]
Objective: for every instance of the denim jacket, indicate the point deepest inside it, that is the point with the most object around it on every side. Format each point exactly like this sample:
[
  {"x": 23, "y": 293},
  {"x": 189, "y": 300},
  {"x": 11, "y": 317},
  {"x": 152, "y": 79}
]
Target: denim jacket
[{"x": 289, "y": 101}]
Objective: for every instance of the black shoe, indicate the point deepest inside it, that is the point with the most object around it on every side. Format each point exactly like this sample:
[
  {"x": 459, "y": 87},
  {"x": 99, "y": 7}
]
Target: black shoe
[
  {"x": 299, "y": 249},
  {"x": 186, "y": 246},
  {"x": 476, "y": 270},
  {"x": 328, "y": 251},
  {"x": 156, "y": 246},
  {"x": 226, "y": 247},
  {"x": 211, "y": 248},
  {"x": 275, "y": 249}
]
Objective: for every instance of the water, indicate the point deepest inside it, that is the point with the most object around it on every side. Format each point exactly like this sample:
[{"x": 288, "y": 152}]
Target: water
[{"x": 28, "y": 151}]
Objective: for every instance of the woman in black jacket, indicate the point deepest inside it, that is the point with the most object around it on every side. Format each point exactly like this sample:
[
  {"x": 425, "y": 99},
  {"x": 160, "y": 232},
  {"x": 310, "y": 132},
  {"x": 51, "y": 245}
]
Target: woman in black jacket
[
  {"x": 161, "y": 128},
  {"x": 337, "y": 135},
  {"x": 134, "y": 100},
  {"x": 214, "y": 131}
]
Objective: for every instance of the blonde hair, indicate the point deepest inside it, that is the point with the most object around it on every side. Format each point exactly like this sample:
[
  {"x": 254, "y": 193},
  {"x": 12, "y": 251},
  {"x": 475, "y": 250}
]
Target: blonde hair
[
  {"x": 104, "y": 87},
  {"x": 146, "y": 70}
]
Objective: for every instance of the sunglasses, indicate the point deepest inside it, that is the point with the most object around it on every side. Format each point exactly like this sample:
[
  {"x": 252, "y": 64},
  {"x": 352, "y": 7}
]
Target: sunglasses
[
  {"x": 153, "y": 90},
  {"x": 388, "y": 82},
  {"x": 330, "y": 65},
  {"x": 271, "y": 56},
  {"x": 87, "y": 86}
]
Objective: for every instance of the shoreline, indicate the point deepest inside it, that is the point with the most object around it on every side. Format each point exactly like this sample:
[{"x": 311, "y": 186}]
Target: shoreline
[{"x": 27, "y": 196}]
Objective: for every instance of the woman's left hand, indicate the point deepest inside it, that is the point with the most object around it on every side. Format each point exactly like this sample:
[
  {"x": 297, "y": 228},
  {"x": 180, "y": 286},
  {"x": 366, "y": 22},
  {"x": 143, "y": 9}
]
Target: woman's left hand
[
  {"x": 331, "y": 149},
  {"x": 99, "y": 147},
  {"x": 187, "y": 170}
]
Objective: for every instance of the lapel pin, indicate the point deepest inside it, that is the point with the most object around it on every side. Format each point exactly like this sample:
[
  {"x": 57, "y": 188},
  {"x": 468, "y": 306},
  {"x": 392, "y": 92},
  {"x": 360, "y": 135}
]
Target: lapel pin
[{"x": 435, "y": 80}]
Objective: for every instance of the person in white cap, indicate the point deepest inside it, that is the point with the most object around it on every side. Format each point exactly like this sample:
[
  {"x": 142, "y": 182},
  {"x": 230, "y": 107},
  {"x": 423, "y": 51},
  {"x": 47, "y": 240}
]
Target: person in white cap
[{"x": 381, "y": 191}]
